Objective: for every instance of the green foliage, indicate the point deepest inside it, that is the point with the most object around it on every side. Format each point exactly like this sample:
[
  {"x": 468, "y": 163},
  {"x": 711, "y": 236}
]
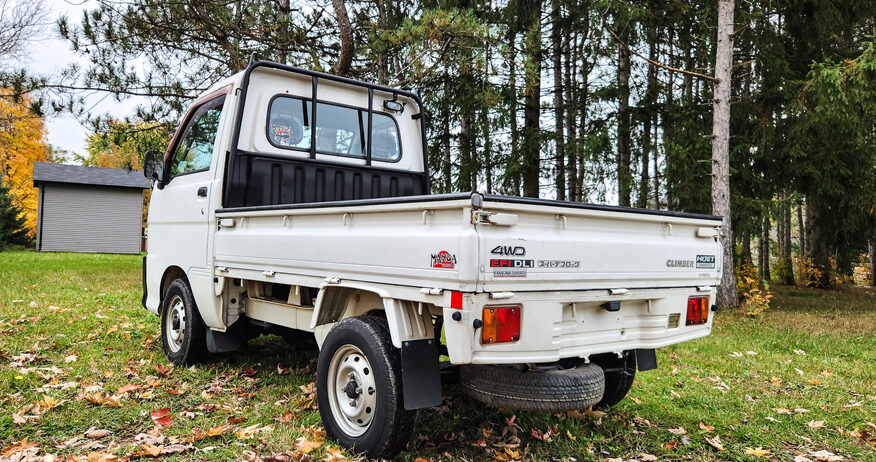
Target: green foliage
[
  {"x": 121, "y": 144},
  {"x": 12, "y": 221}
]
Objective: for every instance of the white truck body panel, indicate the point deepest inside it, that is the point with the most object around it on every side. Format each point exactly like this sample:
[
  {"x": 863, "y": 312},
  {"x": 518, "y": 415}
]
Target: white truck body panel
[{"x": 558, "y": 261}]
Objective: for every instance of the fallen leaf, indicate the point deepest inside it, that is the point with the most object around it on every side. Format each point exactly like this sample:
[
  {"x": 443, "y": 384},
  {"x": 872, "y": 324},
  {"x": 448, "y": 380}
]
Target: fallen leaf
[
  {"x": 17, "y": 447},
  {"x": 758, "y": 452},
  {"x": 250, "y": 372},
  {"x": 800, "y": 352},
  {"x": 707, "y": 428},
  {"x": 677, "y": 431},
  {"x": 71, "y": 359},
  {"x": 645, "y": 457},
  {"x": 715, "y": 442},
  {"x": 306, "y": 445},
  {"x": 815, "y": 424},
  {"x": 95, "y": 433},
  {"x": 161, "y": 369},
  {"x": 162, "y": 417},
  {"x": 826, "y": 456}
]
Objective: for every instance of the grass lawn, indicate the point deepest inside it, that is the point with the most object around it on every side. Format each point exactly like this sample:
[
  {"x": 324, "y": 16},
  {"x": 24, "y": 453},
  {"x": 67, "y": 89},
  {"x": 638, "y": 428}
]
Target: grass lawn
[{"x": 82, "y": 372}]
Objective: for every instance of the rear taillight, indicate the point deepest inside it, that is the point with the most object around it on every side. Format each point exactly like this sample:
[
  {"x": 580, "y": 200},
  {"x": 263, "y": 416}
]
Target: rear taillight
[
  {"x": 697, "y": 311},
  {"x": 501, "y": 324}
]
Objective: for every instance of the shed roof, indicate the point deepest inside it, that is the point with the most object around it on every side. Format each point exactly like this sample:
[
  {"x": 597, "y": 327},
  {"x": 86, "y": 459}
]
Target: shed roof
[{"x": 77, "y": 174}]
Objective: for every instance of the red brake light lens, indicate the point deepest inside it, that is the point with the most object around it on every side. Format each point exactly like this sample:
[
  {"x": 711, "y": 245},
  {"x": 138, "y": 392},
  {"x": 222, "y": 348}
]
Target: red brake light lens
[
  {"x": 501, "y": 324},
  {"x": 697, "y": 311}
]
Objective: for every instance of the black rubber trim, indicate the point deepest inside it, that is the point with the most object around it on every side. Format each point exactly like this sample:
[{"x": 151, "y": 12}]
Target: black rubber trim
[
  {"x": 351, "y": 203},
  {"x": 606, "y": 208},
  {"x": 145, "y": 290}
]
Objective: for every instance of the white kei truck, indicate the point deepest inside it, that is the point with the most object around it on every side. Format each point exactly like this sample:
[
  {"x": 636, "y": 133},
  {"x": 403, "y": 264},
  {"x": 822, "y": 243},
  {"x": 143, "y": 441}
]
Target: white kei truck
[{"x": 297, "y": 203}]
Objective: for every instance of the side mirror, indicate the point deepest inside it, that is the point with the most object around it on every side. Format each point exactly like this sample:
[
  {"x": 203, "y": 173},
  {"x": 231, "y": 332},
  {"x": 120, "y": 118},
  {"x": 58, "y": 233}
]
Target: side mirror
[{"x": 153, "y": 167}]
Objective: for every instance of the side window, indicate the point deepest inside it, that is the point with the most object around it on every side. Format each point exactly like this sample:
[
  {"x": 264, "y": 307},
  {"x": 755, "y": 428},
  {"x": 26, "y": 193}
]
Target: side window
[
  {"x": 340, "y": 130},
  {"x": 194, "y": 151}
]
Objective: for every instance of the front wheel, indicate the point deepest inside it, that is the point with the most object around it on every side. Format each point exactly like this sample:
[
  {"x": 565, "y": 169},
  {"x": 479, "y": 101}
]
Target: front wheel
[
  {"x": 183, "y": 334},
  {"x": 359, "y": 388}
]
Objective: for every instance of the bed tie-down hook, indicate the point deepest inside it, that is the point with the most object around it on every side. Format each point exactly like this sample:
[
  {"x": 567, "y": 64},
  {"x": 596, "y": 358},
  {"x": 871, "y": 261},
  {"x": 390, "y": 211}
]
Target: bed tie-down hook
[
  {"x": 561, "y": 217},
  {"x": 426, "y": 213}
]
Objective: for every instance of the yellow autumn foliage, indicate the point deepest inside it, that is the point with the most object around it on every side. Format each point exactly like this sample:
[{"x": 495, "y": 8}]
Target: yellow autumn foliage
[{"x": 22, "y": 142}]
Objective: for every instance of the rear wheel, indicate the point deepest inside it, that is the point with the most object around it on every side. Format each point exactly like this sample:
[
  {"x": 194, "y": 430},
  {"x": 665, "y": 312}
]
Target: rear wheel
[
  {"x": 183, "y": 334},
  {"x": 359, "y": 388}
]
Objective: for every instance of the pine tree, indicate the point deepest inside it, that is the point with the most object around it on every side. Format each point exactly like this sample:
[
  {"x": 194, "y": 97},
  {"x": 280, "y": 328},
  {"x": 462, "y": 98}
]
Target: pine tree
[{"x": 12, "y": 229}]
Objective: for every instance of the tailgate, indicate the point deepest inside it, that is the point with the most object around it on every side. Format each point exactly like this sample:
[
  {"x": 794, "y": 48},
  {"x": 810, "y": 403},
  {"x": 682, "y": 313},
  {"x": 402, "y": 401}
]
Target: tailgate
[{"x": 551, "y": 245}]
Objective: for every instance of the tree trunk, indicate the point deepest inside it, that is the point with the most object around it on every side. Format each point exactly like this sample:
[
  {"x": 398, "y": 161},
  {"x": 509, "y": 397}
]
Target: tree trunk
[
  {"x": 801, "y": 230},
  {"x": 820, "y": 251},
  {"x": 807, "y": 216},
  {"x": 746, "y": 248},
  {"x": 345, "y": 58},
  {"x": 382, "y": 62},
  {"x": 559, "y": 115},
  {"x": 624, "y": 176},
  {"x": 765, "y": 250},
  {"x": 721, "y": 149},
  {"x": 512, "y": 107},
  {"x": 445, "y": 139},
  {"x": 873, "y": 263},
  {"x": 648, "y": 141},
  {"x": 467, "y": 164},
  {"x": 532, "y": 96},
  {"x": 786, "y": 242},
  {"x": 569, "y": 108}
]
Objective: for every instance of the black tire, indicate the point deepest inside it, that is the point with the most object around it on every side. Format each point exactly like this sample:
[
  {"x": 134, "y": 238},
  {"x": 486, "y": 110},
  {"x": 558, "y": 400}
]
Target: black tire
[
  {"x": 619, "y": 376},
  {"x": 192, "y": 349},
  {"x": 543, "y": 391},
  {"x": 391, "y": 426}
]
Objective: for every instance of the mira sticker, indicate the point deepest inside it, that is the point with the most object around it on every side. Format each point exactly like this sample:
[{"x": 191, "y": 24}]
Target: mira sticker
[
  {"x": 705, "y": 261},
  {"x": 443, "y": 259}
]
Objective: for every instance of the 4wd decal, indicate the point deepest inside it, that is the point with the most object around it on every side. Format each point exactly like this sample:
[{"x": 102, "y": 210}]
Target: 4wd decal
[
  {"x": 705, "y": 261},
  {"x": 497, "y": 263},
  {"x": 511, "y": 251},
  {"x": 443, "y": 259}
]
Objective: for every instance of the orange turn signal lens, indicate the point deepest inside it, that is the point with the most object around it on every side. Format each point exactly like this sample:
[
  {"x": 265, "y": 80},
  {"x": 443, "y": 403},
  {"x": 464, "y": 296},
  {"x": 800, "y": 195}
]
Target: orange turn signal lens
[
  {"x": 501, "y": 324},
  {"x": 697, "y": 311}
]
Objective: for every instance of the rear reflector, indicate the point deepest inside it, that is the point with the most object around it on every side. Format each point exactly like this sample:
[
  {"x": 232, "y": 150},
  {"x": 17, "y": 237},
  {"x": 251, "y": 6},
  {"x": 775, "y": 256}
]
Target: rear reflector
[
  {"x": 501, "y": 324},
  {"x": 697, "y": 311},
  {"x": 456, "y": 300}
]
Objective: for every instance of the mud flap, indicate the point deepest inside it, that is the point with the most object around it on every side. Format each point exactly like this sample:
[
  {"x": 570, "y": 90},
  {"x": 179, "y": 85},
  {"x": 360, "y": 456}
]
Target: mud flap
[
  {"x": 646, "y": 360},
  {"x": 421, "y": 374}
]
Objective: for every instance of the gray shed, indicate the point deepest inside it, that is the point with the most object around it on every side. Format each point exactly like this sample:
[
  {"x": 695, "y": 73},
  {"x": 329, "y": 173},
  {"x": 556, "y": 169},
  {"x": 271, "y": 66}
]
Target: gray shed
[{"x": 88, "y": 209}]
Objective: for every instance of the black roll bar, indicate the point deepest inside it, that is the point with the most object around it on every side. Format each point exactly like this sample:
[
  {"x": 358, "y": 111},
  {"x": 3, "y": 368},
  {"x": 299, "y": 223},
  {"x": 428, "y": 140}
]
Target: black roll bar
[{"x": 315, "y": 76}]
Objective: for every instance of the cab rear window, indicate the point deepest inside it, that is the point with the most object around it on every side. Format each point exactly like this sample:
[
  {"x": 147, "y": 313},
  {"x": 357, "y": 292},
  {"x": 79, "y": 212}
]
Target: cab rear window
[{"x": 340, "y": 130}]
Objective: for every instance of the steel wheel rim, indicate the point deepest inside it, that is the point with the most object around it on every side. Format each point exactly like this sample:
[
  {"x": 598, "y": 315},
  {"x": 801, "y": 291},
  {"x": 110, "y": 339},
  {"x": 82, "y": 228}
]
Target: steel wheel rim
[
  {"x": 175, "y": 324},
  {"x": 352, "y": 390}
]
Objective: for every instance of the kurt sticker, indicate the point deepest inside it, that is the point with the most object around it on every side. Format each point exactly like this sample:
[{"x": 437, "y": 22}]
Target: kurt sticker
[
  {"x": 705, "y": 261},
  {"x": 443, "y": 259}
]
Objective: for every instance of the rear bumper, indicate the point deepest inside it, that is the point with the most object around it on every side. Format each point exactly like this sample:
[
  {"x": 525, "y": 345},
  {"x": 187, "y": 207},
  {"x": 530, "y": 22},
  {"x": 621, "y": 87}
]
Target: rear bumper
[{"x": 558, "y": 325}]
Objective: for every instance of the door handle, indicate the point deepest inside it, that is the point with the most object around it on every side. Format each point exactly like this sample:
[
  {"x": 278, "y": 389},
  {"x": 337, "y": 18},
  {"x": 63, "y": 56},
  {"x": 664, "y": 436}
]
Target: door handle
[{"x": 202, "y": 191}]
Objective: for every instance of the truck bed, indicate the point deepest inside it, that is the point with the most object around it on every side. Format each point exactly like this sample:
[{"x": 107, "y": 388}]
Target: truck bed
[{"x": 448, "y": 242}]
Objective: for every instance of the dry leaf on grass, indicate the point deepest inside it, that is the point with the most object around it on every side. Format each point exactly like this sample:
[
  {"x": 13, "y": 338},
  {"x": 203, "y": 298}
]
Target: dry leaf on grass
[
  {"x": 95, "y": 433},
  {"x": 715, "y": 442},
  {"x": 758, "y": 452},
  {"x": 162, "y": 417},
  {"x": 707, "y": 428},
  {"x": 677, "y": 431},
  {"x": 815, "y": 424},
  {"x": 307, "y": 445}
]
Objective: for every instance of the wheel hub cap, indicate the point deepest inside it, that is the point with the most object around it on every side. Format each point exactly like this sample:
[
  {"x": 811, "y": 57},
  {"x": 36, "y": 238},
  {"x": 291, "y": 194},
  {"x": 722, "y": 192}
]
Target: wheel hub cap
[
  {"x": 175, "y": 326},
  {"x": 352, "y": 390}
]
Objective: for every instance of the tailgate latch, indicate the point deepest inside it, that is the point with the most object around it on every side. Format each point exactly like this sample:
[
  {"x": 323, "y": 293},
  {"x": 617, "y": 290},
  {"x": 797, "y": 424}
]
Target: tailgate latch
[{"x": 481, "y": 217}]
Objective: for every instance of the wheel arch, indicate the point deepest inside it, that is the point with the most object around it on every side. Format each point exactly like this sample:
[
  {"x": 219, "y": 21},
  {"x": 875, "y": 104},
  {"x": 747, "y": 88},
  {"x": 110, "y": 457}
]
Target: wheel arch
[
  {"x": 171, "y": 273},
  {"x": 407, "y": 319}
]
